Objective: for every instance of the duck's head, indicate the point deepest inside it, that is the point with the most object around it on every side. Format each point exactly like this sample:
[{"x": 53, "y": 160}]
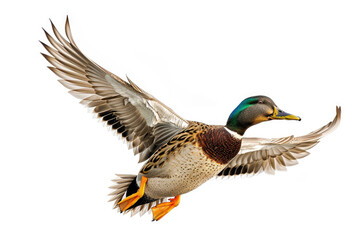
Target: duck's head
[{"x": 254, "y": 110}]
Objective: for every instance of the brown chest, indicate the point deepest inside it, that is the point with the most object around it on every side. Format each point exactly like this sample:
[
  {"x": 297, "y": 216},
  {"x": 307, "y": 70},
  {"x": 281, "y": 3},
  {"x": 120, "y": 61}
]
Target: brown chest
[{"x": 218, "y": 144}]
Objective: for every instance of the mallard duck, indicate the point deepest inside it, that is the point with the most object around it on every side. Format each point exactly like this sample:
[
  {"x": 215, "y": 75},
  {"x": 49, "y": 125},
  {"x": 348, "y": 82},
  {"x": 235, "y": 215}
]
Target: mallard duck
[{"x": 179, "y": 154}]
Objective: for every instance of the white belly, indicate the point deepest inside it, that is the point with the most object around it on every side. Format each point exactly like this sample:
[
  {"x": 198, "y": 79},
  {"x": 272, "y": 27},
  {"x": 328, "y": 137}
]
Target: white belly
[{"x": 186, "y": 169}]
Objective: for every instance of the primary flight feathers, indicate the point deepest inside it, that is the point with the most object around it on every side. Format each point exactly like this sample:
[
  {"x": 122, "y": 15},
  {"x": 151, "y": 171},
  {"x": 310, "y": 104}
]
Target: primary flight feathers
[{"x": 139, "y": 117}]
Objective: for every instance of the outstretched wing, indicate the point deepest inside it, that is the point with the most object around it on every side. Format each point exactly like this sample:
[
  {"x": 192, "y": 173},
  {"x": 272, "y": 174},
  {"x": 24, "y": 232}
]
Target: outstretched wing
[
  {"x": 137, "y": 116},
  {"x": 261, "y": 154}
]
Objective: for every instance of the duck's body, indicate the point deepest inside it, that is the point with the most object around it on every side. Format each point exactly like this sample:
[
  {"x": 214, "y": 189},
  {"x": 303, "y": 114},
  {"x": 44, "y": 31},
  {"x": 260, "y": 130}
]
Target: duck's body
[
  {"x": 179, "y": 155},
  {"x": 189, "y": 159},
  {"x": 187, "y": 168}
]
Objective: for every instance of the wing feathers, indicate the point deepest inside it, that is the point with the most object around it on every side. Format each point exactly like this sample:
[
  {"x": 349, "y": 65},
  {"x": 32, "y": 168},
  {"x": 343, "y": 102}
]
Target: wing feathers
[
  {"x": 123, "y": 105},
  {"x": 68, "y": 31}
]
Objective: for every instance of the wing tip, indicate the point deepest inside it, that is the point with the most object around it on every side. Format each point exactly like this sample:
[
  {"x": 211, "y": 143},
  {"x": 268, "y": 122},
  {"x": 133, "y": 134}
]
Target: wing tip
[
  {"x": 68, "y": 31},
  {"x": 338, "y": 113},
  {"x": 337, "y": 119},
  {"x": 52, "y": 24}
]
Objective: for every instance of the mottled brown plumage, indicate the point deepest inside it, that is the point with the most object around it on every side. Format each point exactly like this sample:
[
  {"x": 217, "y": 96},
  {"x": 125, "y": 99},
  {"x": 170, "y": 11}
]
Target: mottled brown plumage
[{"x": 187, "y": 136}]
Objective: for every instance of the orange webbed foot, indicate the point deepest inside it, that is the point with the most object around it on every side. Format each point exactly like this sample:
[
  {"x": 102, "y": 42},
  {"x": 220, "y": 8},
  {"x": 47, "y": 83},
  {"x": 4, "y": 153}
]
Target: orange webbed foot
[{"x": 162, "y": 209}]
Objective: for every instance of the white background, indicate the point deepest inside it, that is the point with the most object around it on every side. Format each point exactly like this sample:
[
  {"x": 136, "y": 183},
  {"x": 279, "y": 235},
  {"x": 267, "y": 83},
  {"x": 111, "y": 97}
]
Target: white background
[{"x": 201, "y": 58}]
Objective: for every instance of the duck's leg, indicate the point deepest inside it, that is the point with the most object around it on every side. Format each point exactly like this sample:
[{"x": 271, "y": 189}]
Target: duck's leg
[
  {"x": 162, "y": 209},
  {"x": 133, "y": 198}
]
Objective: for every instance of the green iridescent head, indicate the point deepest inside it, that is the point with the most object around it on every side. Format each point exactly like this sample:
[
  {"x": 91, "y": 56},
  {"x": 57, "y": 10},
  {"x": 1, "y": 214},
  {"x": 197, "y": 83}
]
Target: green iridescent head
[{"x": 254, "y": 110}]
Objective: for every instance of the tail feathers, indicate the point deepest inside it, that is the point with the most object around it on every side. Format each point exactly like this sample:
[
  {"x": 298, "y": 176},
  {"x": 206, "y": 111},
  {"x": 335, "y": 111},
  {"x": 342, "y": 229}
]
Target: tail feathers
[
  {"x": 127, "y": 184},
  {"x": 122, "y": 183}
]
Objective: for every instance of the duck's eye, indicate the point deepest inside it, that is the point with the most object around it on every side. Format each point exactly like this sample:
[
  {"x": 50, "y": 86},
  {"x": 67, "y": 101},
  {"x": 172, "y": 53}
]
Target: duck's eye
[{"x": 260, "y": 102}]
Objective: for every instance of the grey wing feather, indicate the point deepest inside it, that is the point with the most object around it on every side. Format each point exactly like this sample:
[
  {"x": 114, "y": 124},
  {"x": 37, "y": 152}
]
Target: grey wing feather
[
  {"x": 262, "y": 154},
  {"x": 129, "y": 110}
]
